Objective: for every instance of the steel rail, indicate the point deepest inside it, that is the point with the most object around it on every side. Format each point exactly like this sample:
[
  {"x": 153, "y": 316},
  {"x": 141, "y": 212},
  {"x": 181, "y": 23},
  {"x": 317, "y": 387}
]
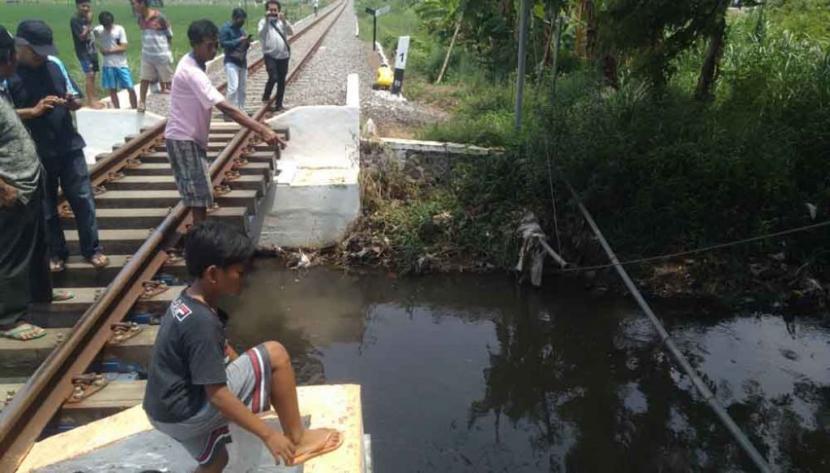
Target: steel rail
[{"x": 23, "y": 420}]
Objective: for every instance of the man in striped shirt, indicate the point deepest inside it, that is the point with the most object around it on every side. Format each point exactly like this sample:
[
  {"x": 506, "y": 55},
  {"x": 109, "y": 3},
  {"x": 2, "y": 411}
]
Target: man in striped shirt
[{"x": 156, "y": 57}]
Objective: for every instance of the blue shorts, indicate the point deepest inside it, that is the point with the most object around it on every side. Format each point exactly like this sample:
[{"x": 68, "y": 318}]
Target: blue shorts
[
  {"x": 116, "y": 78},
  {"x": 88, "y": 64}
]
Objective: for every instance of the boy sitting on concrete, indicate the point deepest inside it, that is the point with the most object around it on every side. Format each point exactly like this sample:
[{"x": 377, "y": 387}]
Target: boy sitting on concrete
[{"x": 192, "y": 395}]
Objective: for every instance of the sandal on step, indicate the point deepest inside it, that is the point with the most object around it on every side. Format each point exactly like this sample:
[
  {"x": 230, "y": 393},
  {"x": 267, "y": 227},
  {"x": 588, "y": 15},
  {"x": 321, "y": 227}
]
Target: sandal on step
[
  {"x": 57, "y": 265},
  {"x": 62, "y": 295},
  {"x": 65, "y": 211},
  {"x": 221, "y": 189},
  {"x": 23, "y": 332},
  {"x": 99, "y": 260},
  {"x": 153, "y": 288}
]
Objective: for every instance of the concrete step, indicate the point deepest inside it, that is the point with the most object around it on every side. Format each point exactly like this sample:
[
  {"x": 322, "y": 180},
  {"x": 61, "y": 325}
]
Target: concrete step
[
  {"x": 22, "y": 358},
  {"x": 114, "y": 241},
  {"x": 218, "y": 146},
  {"x": 145, "y": 218},
  {"x": 66, "y": 314},
  {"x": 256, "y": 157},
  {"x": 156, "y": 169},
  {"x": 115, "y": 397},
  {"x": 125, "y": 200},
  {"x": 80, "y": 273},
  {"x": 249, "y": 182}
]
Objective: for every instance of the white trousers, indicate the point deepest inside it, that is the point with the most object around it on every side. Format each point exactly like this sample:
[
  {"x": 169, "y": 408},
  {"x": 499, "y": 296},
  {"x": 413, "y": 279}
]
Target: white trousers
[{"x": 237, "y": 79}]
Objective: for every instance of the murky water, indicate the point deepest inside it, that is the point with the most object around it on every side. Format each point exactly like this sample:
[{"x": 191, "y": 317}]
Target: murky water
[{"x": 473, "y": 374}]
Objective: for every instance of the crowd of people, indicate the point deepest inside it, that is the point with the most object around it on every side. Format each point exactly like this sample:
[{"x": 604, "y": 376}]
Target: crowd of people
[{"x": 196, "y": 383}]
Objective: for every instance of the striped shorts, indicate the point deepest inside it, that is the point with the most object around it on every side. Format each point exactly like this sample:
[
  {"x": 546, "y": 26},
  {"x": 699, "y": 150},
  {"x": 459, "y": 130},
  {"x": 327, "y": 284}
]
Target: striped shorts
[
  {"x": 192, "y": 172},
  {"x": 249, "y": 378}
]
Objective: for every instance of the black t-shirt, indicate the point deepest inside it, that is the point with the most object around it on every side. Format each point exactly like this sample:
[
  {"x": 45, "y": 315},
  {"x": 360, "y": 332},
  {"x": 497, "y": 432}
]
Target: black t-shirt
[
  {"x": 53, "y": 132},
  {"x": 189, "y": 353},
  {"x": 84, "y": 48}
]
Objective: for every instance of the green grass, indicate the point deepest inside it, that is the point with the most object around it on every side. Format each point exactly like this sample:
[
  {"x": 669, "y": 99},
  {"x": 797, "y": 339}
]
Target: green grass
[{"x": 180, "y": 16}]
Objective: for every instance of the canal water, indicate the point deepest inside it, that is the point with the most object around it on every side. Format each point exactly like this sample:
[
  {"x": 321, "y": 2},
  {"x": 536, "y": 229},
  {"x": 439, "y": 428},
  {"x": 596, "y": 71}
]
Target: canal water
[{"x": 471, "y": 373}]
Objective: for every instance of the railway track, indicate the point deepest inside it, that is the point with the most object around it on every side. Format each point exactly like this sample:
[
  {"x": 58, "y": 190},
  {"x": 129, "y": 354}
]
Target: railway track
[{"x": 141, "y": 220}]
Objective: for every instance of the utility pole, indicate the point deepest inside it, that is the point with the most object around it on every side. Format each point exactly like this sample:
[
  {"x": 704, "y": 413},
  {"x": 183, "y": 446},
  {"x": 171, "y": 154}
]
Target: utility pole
[{"x": 520, "y": 78}]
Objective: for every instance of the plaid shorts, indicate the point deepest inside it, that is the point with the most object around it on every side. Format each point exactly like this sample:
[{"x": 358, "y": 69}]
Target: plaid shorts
[
  {"x": 191, "y": 170},
  {"x": 249, "y": 378}
]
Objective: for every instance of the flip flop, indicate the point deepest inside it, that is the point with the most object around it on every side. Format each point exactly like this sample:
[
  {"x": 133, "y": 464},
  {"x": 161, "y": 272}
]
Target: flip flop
[
  {"x": 99, "y": 261},
  {"x": 153, "y": 288},
  {"x": 61, "y": 295},
  {"x": 221, "y": 189},
  {"x": 57, "y": 265},
  {"x": 23, "y": 332},
  {"x": 65, "y": 211},
  {"x": 304, "y": 457}
]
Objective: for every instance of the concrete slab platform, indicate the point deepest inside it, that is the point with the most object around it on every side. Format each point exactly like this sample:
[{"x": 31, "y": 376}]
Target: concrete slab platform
[
  {"x": 317, "y": 197},
  {"x": 127, "y": 442},
  {"x": 102, "y": 129}
]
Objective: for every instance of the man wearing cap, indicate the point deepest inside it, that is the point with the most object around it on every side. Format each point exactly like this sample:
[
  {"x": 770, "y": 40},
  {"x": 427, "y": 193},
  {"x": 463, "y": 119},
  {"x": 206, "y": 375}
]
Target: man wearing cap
[
  {"x": 41, "y": 75},
  {"x": 24, "y": 267}
]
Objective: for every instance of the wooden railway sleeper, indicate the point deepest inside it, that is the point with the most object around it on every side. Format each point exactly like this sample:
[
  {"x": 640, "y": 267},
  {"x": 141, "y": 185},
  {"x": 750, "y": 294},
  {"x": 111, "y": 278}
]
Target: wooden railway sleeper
[
  {"x": 86, "y": 385},
  {"x": 123, "y": 331}
]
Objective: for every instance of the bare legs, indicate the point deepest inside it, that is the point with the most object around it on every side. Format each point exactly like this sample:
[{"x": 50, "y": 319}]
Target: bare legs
[
  {"x": 91, "y": 92},
  {"x": 145, "y": 84}
]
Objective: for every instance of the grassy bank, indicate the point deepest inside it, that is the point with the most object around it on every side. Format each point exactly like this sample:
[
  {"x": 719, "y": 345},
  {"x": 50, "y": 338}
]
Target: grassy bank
[
  {"x": 57, "y": 15},
  {"x": 660, "y": 170}
]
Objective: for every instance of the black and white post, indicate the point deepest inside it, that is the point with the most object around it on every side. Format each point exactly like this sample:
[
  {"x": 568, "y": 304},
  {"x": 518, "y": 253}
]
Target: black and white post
[
  {"x": 376, "y": 12},
  {"x": 400, "y": 64}
]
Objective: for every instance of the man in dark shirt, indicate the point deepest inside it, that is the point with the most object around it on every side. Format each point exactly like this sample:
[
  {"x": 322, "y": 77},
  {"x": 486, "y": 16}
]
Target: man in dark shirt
[
  {"x": 236, "y": 42},
  {"x": 24, "y": 268},
  {"x": 192, "y": 396},
  {"x": 41, "y": 75},
  {"x": 81, "y": 26}
]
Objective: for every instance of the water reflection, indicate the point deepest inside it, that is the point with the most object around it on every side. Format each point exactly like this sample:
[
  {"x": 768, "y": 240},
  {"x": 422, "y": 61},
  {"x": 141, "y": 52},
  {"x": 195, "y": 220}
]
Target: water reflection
[{"x": 472, "y": 374}]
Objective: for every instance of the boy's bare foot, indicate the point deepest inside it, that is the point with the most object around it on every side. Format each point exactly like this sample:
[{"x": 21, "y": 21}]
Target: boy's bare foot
[{"x": 316, "y": 442}]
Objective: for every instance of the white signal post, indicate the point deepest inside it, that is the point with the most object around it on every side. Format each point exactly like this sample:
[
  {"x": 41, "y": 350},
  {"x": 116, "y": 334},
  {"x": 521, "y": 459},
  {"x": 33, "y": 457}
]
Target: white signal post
[{"x": 400, "y": 64}]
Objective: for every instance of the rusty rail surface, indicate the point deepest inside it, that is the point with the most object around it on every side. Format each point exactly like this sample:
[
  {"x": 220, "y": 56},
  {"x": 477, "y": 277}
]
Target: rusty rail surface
[{"x": 24, "y": 419}]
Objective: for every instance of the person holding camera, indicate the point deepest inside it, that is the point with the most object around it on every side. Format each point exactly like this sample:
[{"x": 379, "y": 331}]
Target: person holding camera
[
  {"x": 235, "y": 42},
  {"x": 273, "y": 31}
]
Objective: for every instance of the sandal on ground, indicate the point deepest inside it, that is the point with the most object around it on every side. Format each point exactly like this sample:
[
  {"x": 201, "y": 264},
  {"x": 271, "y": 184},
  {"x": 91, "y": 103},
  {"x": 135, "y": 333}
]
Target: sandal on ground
[
  {"x": 57, "y": 265},
  {"x": 153, "y": 288},
  {"x": 23, "y": 332},
  {"x": 221, "y": 189},
  {"x": 99, "y": 260},
  {"x": 325, "y": 447},
  {"x": 141, "y": 108},
  {"x": 62, "y": 295}
]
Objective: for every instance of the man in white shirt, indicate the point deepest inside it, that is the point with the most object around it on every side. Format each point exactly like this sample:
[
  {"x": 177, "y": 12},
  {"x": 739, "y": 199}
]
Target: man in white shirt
[
  {"x": 112, "y": 42},
  {"x": 274, "y": 31}
]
